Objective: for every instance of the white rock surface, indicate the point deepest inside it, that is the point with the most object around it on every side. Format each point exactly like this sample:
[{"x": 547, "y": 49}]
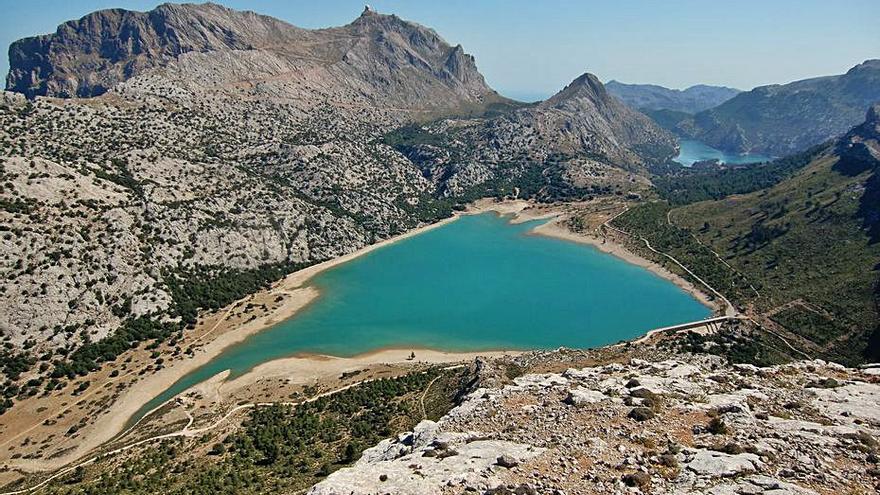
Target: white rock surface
[
  {"x": 719, "y": 464},
  {"x": 571, "y": 433},
  {"x": 580, "y": 396}
]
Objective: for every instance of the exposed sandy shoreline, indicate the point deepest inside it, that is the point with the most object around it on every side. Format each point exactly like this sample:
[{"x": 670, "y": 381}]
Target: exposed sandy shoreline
[
  {"x": 305, "y": 370},
  {"x": 221, "y": 330},
  {"x": 553, "y": 229}
]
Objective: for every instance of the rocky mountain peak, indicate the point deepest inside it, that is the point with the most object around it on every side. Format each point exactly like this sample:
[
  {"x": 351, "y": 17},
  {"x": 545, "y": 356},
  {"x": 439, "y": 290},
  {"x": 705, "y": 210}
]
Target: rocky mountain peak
[
  {"x": 88, "y": 56},
  {"x": 586, "y": 86},
  {"x": 583, "y": 116},
  {"x": 378, "y": 58},
  {"x": 870, "y": 128},
  {"x": 405, "y": 44},
  {"x": 867, "y": 65}
]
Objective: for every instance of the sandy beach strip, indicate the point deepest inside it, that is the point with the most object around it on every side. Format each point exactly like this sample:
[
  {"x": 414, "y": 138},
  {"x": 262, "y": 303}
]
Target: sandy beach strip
[
  {"x": 221, "y": 335},
  {"x": 307, "y": 369},
  {"x": 555, "y": 230}
]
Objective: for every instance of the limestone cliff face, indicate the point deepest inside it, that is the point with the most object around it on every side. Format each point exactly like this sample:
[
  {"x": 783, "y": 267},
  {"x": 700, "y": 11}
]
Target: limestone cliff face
[
  {"x": 380, "y": 57},
  {"x": 88, "y": 56}
]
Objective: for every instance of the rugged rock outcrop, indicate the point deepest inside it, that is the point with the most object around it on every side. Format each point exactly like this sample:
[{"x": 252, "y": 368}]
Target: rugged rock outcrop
[
  {"x": 585, "y": 116},
  {"x": 799, "y": 429},
  {"x": 859, "y": 152},
  {"x": 567, "y": 142},
  {"x": 652, "y": 97},
  {"x": 89, "y": 56},
  {"x": 859, "y": 149}
]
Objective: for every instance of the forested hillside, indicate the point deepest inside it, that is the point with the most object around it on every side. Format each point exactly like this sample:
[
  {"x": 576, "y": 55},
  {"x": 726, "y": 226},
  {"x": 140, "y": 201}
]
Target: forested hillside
[{"x": 802, "y": 232}]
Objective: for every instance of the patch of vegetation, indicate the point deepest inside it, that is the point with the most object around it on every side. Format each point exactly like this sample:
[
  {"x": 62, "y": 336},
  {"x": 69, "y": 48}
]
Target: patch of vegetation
[
  {"x": 815, "y": 326},
  {"x": 279, "y": 449},
  {"x": 121, "y": 175},
  {"x": 689, "y": 185},
  {"x": 409, "y": 136},
  {"x": 806, "y": 248},
  {"x": 212, "y": 288},
  {"x": 649, "y": 221},
  {"x": 12, "y": 365},
  {"x": 737, "y": 347},
  {"x": 207, "y": 288},
  {"x": 89, "y": 356},
  {"x": 17, "y": 205}
]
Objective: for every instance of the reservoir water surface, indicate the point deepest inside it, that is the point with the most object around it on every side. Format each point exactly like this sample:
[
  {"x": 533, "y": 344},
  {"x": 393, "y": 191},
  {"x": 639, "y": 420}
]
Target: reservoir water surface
[
  {"x": 478, "y": 283},
  {"x": 693, "y": 151}
]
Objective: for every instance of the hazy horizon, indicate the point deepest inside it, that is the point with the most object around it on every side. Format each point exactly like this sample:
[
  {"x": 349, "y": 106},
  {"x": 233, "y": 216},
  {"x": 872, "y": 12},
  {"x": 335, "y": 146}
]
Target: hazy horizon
[{"x": 529, "y": 51}]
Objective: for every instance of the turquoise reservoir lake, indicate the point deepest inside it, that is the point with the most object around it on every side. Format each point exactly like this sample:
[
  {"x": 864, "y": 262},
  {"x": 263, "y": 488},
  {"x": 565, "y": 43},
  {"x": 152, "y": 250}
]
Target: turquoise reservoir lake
[
  {"x": 478, "y": 283},
  {"x": 693, "y": 151}
]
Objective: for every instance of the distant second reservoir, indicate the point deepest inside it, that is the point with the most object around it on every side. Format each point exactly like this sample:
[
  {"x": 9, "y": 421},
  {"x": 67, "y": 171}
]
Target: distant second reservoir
[{"x": 693, "y": 151}]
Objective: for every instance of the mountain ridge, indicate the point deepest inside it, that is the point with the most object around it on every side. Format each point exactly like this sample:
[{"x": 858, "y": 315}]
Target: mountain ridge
[
  {"x": 378, "y": 59},
  {"x": 690, "y": 100},
  {"x": 785, "y": 118}
]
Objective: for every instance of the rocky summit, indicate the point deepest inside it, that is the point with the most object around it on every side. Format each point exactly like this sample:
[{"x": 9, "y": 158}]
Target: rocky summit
[
  {"x": 667, "y": 426},
  {"x": 569, "y": 139},
  {"x": 377, "y": 60}
]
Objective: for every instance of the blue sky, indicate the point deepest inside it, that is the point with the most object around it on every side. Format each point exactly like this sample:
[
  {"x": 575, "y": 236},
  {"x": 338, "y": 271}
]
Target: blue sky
[{"x": 531, "y": 49}]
